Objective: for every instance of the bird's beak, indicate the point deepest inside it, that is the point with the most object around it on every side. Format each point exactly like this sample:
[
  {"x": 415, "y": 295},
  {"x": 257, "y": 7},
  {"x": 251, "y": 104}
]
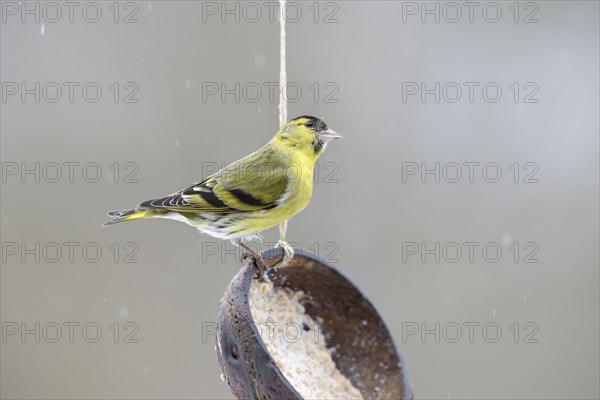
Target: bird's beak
[{"x": 328, "y": 135}]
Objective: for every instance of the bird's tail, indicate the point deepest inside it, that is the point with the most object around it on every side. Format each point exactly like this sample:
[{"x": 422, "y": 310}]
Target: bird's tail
[{"x": 127, "y": 215}]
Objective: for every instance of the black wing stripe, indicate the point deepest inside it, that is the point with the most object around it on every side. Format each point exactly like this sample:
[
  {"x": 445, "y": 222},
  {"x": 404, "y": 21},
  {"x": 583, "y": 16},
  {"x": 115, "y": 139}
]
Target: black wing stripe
[
  {"x": 211, "y": 199},
  {"x": 246, "y": 197},
  {"x": 178, "y": 200}
]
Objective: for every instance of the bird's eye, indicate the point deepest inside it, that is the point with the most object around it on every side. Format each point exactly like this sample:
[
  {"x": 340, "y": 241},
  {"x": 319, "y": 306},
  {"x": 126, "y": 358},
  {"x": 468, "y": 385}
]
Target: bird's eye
[{"x": 309, "y": 124}]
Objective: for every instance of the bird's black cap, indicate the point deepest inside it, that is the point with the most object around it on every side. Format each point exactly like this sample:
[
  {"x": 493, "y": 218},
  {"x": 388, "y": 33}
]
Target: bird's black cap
[{"x": 319, "y": 124}]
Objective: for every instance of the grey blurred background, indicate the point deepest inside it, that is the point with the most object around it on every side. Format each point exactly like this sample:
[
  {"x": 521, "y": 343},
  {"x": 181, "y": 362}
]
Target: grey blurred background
[{"x": 352, "y": 61}]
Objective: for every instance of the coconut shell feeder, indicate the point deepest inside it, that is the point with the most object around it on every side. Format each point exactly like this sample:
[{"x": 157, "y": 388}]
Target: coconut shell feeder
[{"x": 353, "y": 333}]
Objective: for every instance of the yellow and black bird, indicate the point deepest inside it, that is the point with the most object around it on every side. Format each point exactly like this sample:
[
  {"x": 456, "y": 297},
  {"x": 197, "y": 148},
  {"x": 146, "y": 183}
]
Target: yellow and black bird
[{"x": 255, "y": 193}]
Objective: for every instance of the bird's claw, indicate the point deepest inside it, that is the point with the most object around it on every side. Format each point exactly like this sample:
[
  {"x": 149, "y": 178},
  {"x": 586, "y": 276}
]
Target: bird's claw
[{"x": 257, "y": 260}]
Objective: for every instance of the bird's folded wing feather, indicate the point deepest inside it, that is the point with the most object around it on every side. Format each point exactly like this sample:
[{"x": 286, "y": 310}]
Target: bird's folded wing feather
[{"x": 240, "y": 187}]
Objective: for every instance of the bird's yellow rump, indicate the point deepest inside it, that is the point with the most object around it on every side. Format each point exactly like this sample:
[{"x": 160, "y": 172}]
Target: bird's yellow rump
[{"x": 255, "y": 193}]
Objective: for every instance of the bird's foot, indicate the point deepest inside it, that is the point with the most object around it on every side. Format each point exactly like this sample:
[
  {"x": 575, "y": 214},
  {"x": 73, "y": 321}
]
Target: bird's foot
[
  {"x": 288, "y": 251},
  {"x": 261, "y": 265}
]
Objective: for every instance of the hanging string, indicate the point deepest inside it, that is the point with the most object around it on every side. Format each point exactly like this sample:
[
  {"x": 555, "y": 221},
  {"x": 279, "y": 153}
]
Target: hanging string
[
  {"x": 282, "y": 66},
  {"x": 283, "y": 112}
]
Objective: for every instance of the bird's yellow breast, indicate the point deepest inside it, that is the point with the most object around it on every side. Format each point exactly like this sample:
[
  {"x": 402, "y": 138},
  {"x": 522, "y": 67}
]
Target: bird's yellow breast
[{"x": 297, "y": 196}]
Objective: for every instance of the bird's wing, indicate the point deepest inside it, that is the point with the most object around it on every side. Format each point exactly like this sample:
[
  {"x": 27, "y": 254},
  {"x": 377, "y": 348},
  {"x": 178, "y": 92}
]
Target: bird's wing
[{"x": 242, "y": 186}]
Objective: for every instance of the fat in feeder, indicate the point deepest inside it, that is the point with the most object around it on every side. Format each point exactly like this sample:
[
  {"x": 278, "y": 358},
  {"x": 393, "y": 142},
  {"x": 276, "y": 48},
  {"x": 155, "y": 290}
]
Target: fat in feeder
[{"x": 305, "y": 332}]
